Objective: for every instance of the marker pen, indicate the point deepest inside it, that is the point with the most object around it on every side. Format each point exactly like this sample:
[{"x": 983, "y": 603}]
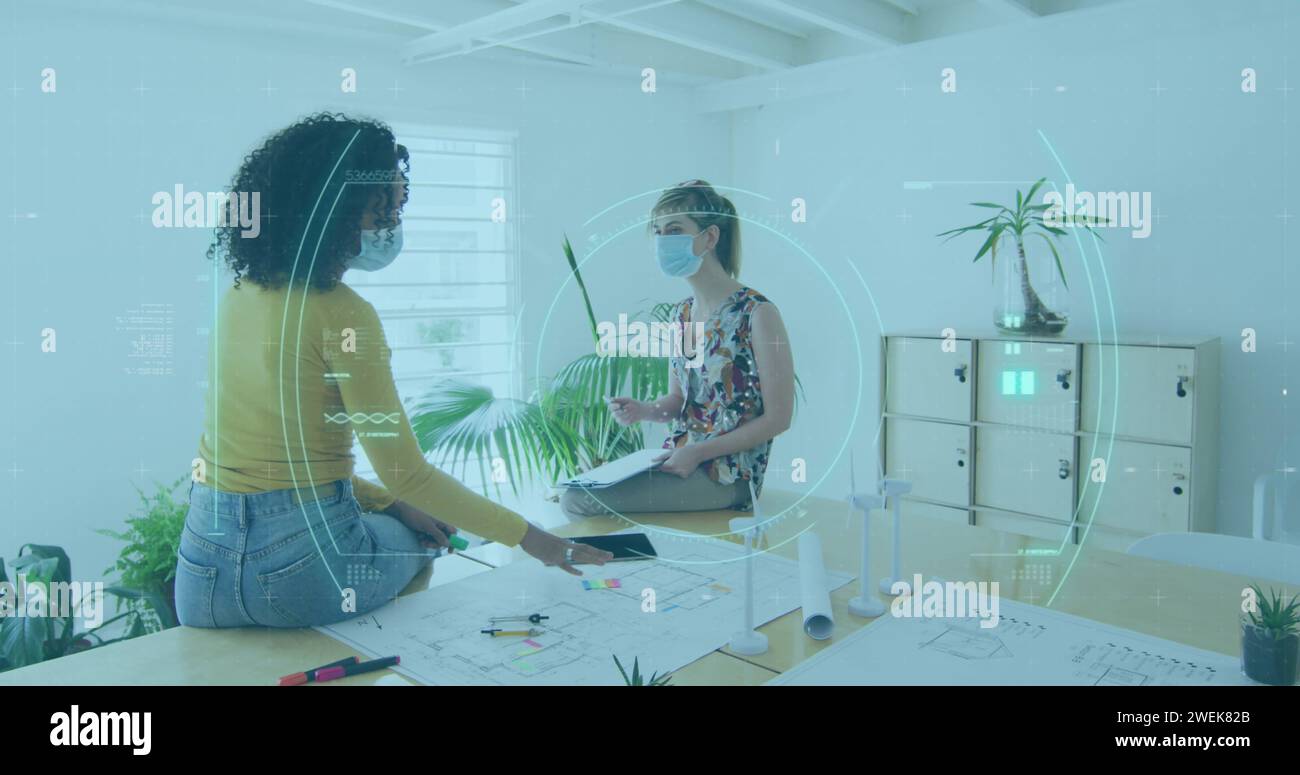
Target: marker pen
[
  {"x": 308, "y": 676},
  {"x": 330, "y": 673}
]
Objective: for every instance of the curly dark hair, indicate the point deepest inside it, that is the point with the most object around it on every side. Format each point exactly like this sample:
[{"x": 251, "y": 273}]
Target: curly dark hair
[{"x": 300, "y": 174}]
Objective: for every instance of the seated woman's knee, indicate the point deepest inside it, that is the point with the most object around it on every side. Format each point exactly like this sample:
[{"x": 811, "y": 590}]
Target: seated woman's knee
[{"x": 577, "y": 503}]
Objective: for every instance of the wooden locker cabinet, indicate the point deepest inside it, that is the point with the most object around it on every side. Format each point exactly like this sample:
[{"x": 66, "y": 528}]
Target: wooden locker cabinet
[
  {"x": 927, "y": 392},
  {"x": 1155, "y": 396},
  {"x": 1029, "y": 384},
  {"x": 1066, "y": 439},
  {"x": 1036, "y": 473},
  {"x": 1156, "y": 478},
  {"x": 933, "y": 456},
  {"x": 924, "y": 379}
]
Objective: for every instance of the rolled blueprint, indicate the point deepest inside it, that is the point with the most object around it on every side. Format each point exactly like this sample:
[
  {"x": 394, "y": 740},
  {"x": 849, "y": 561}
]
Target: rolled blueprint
[{"x": 817, "y": 620}]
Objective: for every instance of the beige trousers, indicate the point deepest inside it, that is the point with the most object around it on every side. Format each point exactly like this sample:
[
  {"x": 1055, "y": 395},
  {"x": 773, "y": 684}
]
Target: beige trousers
[{"x": 656, "y": 491}]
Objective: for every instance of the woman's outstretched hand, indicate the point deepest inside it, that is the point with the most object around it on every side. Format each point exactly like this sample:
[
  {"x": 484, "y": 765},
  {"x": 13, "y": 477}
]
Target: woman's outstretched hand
[
  {"x": 433, "y": 533},
  {"x": 552, "y": 550},
  {"x": 627, "y": 411}
]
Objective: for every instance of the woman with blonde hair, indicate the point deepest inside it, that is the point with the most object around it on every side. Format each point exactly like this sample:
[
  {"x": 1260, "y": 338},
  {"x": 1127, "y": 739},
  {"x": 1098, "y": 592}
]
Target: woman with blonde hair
[{"x": 730, "y": 394}]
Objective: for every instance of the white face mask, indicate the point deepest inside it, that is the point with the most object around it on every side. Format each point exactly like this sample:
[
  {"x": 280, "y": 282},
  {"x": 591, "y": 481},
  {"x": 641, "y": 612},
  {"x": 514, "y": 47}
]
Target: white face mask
[
  {"x": 676, "y": 254},
  {"x": 377, "y": 251}
]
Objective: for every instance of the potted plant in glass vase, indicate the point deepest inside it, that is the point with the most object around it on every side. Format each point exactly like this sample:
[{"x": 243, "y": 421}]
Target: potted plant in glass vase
[
  {"x": 1029, "y": 301},
  {"x": 1270, "y": 639}
]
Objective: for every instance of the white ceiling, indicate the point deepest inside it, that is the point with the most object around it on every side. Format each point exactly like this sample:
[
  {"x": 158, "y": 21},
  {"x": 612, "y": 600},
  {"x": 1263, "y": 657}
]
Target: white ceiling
[
  {"x": 701, "y": 40},
  {"x": 694, "y": 41}
]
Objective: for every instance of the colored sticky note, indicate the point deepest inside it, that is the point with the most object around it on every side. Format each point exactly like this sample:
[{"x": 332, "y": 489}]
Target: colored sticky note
[{"x": 601, "y": 584}]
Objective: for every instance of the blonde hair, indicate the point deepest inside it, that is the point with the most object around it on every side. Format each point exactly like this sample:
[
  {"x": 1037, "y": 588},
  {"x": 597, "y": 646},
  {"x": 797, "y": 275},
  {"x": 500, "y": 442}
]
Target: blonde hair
[{"x": 697, "y": 199}]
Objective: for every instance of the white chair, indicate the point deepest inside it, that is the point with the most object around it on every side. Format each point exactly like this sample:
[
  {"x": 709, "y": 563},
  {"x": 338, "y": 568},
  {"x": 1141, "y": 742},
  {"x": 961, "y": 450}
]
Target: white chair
[
  {"x": 1251, "y": 557},
  {"x": 1277, "y": 488},
  {"x": 1275, "y": 512}
]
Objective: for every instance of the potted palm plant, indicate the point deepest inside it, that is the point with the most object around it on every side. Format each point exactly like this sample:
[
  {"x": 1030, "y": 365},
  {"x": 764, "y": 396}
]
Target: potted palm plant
[
  {"x": 1270, "y": 639},
  {"x": 561, "y": 430},
  {"x": 1021, "y": 308}
]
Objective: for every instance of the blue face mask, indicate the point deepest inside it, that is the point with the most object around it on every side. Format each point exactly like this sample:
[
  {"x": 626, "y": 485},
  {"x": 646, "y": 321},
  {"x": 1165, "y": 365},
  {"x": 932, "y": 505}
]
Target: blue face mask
[
  {"x": 675, "y": 256},
  {"x": 377, "y": 251}
]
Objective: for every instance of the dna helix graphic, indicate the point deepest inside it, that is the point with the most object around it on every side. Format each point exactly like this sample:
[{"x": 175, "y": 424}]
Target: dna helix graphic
[{"x": 342, "y": 418}]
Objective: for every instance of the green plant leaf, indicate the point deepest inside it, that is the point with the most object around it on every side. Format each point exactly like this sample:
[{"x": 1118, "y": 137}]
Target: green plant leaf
[
  {"x": 152, "y": 536},
  {"x": 577, "y": 276},
  {"x": 1060, "y": 268},
  {"x": 23, "y": 639},
  {"x": 63, "y": 567},
  {"x": 981, "y": 226},
  {"x": 988, "y": 243},
  {"x": 153, "y": 598},
  {"x": 1034, "y": 190},
  {"x": 461, "y": 421},
  {"x": 622, "y": 672}
]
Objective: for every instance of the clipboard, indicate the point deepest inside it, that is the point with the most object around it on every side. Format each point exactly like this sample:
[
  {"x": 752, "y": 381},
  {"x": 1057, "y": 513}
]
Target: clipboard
[{"x": 615, "y": 471}]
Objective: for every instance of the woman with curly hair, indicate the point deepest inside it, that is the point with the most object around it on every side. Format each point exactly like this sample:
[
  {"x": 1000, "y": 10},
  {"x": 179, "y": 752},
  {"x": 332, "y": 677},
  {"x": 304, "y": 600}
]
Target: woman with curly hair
[{"x": 280, "y": 532}]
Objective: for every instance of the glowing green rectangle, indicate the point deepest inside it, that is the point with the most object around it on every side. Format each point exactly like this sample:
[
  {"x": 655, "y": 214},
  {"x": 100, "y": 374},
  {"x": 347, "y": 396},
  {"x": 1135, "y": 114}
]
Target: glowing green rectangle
[
  {"x": 1027, "y": 383},
  {"x": 1008, "y": 383}
]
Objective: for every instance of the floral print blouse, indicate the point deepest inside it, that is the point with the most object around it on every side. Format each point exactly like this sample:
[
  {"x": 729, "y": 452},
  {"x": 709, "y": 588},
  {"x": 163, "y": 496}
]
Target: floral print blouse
[{"x": 722, "y": 391}]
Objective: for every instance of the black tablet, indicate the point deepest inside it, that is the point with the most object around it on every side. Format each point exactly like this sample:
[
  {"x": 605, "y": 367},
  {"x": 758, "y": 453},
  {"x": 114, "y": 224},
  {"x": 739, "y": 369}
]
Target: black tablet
[{"x": 629, "y": 546}]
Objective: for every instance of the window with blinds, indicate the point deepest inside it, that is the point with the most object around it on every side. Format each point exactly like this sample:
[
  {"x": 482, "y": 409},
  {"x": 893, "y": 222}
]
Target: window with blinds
[{"x": 449, "y": 302}]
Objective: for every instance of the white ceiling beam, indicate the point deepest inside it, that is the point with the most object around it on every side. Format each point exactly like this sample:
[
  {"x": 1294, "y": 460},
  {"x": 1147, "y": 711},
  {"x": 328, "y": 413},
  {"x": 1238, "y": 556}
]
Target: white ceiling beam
[
  {"x": 715, "y": 32},
  {"x": 553, "y": 52},
  {"x": 490, "y": 26},
  {"x": 1012, "y": 8},
  {"x": 843, "y": 18}
]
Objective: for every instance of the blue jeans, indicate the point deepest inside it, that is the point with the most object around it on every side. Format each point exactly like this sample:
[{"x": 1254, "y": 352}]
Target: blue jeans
[{"x": 289, "y": 558}]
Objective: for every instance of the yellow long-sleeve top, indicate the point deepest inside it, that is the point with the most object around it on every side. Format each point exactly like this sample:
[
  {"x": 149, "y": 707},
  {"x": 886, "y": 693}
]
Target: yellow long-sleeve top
[{"x": 293, "y": 374}]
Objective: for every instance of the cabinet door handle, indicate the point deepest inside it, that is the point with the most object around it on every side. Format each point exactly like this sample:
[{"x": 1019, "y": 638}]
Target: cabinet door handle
[
  {"x": 1064, "y": 471},
  {"x": 1063, "y": 377},
  {"x": 960, "y": 373},
  {"x": 1179, "y": 389},
  {"x": 961, "y": 458}
]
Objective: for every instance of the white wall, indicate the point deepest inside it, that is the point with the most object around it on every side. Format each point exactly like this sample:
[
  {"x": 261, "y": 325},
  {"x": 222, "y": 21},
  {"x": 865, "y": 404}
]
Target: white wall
[
  {"x": 88, "y": 158},
  {"x": 1218, "y": 163}
]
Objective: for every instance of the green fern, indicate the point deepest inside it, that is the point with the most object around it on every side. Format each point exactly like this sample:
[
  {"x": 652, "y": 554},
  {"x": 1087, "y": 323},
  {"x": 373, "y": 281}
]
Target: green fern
[
  {"x": 636, "y": 679},
  {"x": 1274, "y": 616}
]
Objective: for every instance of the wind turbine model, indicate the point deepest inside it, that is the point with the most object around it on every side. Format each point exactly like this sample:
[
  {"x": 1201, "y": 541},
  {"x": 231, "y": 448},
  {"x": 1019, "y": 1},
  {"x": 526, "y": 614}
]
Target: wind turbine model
[{"x": 749, "y": 641}]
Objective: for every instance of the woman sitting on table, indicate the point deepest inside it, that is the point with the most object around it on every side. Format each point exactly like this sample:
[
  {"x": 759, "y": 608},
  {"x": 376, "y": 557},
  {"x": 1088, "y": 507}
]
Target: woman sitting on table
[
  {"x": 279, "y": 532},
  {"x": 727, "y": 399}
]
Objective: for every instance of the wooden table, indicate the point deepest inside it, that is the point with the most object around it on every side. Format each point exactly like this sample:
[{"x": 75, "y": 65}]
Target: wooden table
[{"x": 1189, "y": 605}]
